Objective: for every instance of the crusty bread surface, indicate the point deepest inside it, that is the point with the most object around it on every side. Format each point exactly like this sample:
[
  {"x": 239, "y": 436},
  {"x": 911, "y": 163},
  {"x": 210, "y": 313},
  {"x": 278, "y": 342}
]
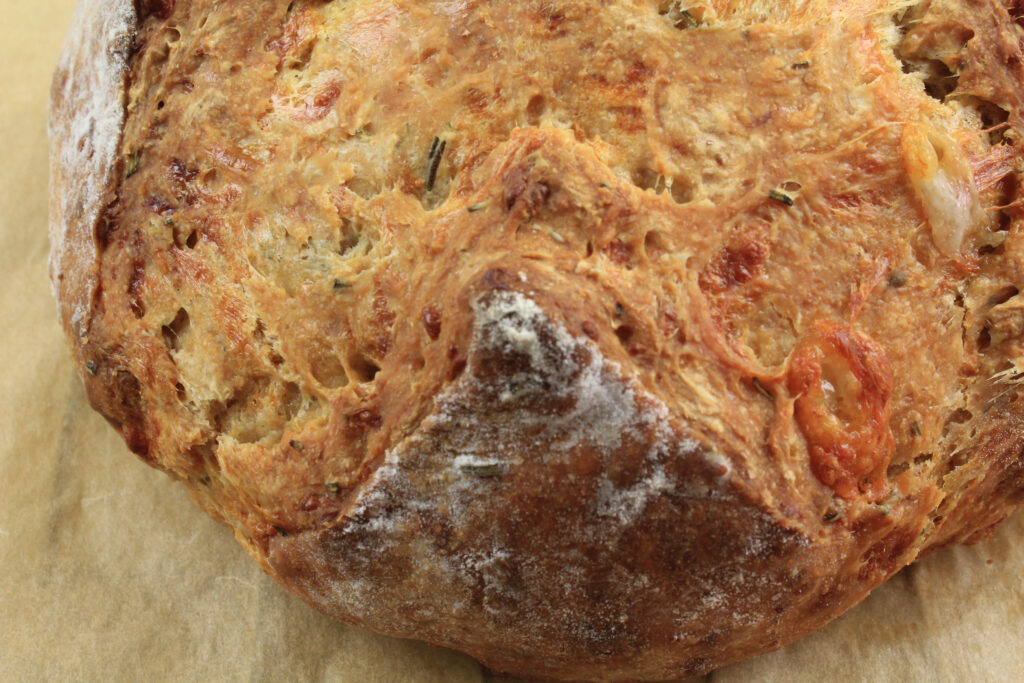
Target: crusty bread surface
[{"x": 599, "y": 340}]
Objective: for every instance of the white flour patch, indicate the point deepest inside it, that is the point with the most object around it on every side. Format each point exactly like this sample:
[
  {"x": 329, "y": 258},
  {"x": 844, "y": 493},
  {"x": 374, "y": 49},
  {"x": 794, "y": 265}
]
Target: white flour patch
[
  {"x": 87, "y": 115},
  {"x": 605, "y": 410},
  {"x": 546, "y": 486}
]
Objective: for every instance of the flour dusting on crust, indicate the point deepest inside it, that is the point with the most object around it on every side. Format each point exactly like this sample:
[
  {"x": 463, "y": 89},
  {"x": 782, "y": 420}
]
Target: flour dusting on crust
[
  {"x": 538, "y": 469},
  {"x": 602, "y": 411},
  {"x": 87, "y": 115}
]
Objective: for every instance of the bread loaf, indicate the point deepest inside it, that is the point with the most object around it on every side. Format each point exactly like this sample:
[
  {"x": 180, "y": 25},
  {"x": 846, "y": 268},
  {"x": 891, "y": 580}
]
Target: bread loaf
[{"x": 599, "y": 340}]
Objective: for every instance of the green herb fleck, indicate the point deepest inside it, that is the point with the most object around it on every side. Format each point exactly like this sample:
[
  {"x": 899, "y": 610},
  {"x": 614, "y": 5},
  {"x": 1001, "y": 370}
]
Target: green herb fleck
[
  {"x": 133, "y": 164},
  {"x": 680, "y": 18},
  {"x": 915, "y": 428},
  {"x": 491, "y": 469},
  {"x": 296, "y": 445},
  {"x": 340, "y": 285},
  {"x": 832, "y": 515},
  {"x": 687, "y": 20},
  {"x": 897, "y": 279},
  {"x": 333, "y": 486},
  {"x": 885, "y": 507},
  {"x": 477, "y": 207},
  {"x": 92, "y": 367},
  {"x": 801, "y": 65},
  {"x": 434, "y": 160},
  {"x": 281, "y": 532},
  {"x": 780, "y": 196},
  {"x": 762, "y": 389}
]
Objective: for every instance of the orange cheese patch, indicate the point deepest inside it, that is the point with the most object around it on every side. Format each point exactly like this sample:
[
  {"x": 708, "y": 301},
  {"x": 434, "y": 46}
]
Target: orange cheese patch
[{"x": 842, "y": 383}]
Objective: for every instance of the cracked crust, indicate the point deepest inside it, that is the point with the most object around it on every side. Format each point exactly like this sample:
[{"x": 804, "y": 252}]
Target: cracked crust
[{"x": 557, "y": 351}]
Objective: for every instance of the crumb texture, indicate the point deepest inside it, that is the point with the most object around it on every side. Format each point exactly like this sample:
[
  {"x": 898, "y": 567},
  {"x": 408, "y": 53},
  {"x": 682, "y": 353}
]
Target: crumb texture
[{"x": 668, "y": 328}]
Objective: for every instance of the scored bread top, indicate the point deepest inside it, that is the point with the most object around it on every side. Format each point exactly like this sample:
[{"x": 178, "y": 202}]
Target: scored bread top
[{"x": 597, "y": 340}]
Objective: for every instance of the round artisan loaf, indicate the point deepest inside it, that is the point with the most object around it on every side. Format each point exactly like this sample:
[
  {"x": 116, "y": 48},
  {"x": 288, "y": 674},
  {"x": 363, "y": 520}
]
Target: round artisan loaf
[{"x": 599, "y": 340}]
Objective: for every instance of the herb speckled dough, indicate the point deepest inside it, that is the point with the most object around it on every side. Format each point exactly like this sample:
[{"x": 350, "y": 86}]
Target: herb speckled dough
[{"x": 599, "y": 340}]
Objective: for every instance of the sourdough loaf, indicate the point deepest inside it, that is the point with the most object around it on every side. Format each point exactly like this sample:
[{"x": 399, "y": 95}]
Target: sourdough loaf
[{"x": 609, "y": 341}]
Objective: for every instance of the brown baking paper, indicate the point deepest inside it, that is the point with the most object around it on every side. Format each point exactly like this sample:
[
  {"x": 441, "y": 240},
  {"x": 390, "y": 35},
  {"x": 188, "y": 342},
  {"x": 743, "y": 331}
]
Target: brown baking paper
[{"x": 109, "y": 572}]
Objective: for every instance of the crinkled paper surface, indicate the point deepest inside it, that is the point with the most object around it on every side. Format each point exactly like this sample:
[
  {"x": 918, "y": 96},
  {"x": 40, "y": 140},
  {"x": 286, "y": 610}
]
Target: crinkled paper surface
[{"x": 109, "y": 572}]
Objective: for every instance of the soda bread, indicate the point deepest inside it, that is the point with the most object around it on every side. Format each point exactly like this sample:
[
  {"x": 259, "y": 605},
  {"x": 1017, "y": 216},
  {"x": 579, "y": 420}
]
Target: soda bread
[{"x": 599, "y": 340}]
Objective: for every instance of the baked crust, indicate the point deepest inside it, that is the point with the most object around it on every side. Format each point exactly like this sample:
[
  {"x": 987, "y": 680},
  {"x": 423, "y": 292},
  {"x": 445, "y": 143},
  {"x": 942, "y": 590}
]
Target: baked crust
[
  {"x": 605, "y": 343},
  {"x": 86, "y": 119}
]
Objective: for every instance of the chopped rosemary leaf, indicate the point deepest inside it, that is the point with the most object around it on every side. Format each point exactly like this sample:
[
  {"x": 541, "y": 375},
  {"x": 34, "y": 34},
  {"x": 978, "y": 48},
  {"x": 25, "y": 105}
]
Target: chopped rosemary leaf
[
  {"x": 133, "y": 164},
  {"x": 781, "y": 196},
  {"x": 333, "y": 486},
  {"x": 680, "y": 18},
  {"x": 686, "y": 20},
  {"x": 762, "y": 388},
  {"x": 915, "y": 428},
  {"x": 91, "y": 367},
  {"x": 477, "y": 207},
  {"x": 492, "y": 469},
  {"x": 434, "y": 160},
  {"x": 341, "y": 284}
]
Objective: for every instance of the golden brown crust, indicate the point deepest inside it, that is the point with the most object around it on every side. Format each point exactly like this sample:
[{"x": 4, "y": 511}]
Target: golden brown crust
[{"x": 599, "y": 342}]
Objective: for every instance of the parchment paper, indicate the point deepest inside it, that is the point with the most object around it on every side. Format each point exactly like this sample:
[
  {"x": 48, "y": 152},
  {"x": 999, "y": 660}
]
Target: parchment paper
[{"x": 109, "y": 572}]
